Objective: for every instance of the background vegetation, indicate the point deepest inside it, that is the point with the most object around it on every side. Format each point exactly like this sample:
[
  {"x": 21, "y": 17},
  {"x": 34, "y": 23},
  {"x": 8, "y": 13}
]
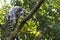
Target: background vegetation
[{"x": 45, "y": 24}]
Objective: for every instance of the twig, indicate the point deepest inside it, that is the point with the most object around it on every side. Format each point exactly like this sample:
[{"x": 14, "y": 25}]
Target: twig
[{"x": 5, "y": 31}]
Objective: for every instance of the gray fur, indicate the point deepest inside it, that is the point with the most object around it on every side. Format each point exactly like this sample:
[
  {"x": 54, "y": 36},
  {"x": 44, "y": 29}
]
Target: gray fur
[{"x": 14, "y": 14}]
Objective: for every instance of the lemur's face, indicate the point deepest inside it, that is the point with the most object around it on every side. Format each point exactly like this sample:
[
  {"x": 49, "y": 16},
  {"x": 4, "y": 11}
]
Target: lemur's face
[{"x": 22, "y": 12}]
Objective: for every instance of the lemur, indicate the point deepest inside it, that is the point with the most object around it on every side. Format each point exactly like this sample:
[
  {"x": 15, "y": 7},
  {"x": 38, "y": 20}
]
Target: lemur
[{"x": 15, "y": 13}]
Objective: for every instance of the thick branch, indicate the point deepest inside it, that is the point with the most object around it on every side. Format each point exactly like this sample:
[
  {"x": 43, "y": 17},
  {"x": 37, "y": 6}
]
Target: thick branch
[
  {"x": 32, "y": 12},
  {"x": 27, "y": 18}
]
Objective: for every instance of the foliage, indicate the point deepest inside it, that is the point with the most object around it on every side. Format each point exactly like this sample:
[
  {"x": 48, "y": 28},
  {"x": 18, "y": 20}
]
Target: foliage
[{"x": 45, "y": 22}]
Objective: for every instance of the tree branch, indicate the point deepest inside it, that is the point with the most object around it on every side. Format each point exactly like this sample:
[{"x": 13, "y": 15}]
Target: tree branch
[
  {"x": 5, "y": 31},
  {"x": 2, "y": 27},
  {"x": 26, "y": 18}
]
